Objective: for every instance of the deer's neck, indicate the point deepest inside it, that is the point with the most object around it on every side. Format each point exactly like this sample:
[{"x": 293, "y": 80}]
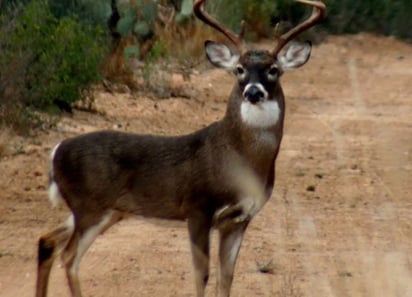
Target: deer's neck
[{"x": 256, "y": 129}]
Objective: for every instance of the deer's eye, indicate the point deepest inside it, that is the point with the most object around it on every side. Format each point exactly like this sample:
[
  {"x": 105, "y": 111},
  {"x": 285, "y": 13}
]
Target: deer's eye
[
  {"x": 273, "y": 72},
  {"x": 240, "y": 71}
]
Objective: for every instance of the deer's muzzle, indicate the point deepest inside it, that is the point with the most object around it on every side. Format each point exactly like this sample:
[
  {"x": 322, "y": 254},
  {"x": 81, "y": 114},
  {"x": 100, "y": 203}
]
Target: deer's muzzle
[{"x": 255, "y": 93}]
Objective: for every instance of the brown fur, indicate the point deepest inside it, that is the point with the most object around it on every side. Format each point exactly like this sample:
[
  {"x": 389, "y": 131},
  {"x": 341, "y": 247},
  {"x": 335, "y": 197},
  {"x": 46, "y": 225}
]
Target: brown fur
[
  {"x": 184, "y": 177},
  {"x": 219, "y": 176}
]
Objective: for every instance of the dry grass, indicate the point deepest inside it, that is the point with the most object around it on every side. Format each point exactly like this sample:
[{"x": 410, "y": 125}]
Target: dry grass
[
  {"x": 114, "y": 66},
  {"x": 4, "y": 137},
  {"x": 267, "y": 267},
  {"x": 176, "y": 49},
  {"x": 185, "y": 44}
]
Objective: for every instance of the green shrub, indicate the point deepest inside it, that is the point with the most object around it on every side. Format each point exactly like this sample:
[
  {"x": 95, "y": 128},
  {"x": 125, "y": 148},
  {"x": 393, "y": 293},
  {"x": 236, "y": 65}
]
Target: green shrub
[
  {"x": 158, "y": 51},
  {"x": 260, "y": 16},
  {"x": 389, "y": 17},
  {"x": 89, "y": 12},
  {"x": 67, "y": 63},
  {"x": 44, "y": 58},
  {"x": 257, "y": 14}
]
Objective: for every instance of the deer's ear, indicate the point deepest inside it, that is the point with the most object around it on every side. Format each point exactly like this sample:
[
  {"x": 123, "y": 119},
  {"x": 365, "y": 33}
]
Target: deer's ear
[
  {"x": 220, "y": 55},
  {"x": 296, "y": 55}
]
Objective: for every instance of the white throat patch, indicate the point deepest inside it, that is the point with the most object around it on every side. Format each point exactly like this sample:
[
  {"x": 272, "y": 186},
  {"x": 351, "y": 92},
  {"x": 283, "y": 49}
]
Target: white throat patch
[{"x": 261, "y": 115}]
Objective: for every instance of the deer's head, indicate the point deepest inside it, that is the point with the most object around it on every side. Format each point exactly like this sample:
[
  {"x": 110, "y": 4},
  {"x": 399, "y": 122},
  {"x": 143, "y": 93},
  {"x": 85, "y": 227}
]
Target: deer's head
[{"x": 258, "y": 71}]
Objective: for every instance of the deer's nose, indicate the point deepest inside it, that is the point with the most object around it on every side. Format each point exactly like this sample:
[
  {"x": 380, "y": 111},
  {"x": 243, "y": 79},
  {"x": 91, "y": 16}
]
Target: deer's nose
[{"x": 254, "y": 94}]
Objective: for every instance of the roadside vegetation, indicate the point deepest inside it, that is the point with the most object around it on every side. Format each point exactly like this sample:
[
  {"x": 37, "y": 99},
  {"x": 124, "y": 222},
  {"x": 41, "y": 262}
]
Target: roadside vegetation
[{"x": 52, "y": 52}]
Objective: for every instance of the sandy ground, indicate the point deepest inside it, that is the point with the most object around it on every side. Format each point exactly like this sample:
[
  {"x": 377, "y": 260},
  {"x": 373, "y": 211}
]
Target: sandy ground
[{"x": 339, "y": 221}]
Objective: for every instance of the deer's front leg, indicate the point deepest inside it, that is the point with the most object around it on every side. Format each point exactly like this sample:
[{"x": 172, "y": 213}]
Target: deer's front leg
[
  {"x": 230, "y": 236},
  {"x": 199, "y": 225}
]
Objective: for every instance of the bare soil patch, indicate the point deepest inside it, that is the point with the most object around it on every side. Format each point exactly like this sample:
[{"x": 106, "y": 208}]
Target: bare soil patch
[{"x": 338, "y": 224}]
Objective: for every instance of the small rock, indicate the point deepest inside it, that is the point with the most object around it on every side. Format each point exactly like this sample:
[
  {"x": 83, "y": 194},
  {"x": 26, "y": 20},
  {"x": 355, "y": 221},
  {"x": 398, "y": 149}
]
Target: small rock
[{"x": 311, "y": 188}]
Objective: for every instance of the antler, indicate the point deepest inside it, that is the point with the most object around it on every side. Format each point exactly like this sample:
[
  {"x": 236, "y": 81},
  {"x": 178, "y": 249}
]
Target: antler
[
  {"x": 318, "y": 14},
  {"x": 237, "y": 39}
]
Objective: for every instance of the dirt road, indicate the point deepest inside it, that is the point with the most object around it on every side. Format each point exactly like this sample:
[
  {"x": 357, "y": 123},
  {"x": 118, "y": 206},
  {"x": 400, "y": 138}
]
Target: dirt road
[{"x": 338, "y": 224}]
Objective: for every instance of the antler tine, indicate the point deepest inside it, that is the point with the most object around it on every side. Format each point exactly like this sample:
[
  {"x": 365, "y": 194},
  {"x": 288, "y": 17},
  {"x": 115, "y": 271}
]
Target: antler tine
[
  {"x": 318, "y": 14},
  {"x": 237, "y": 39}
]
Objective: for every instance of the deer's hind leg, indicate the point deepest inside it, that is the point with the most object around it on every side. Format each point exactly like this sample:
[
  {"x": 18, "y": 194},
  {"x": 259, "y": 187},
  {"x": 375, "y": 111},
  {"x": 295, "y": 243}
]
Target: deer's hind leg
[
  {"x": 50, "y": 246},
  {"x": 82, "y": 238}
]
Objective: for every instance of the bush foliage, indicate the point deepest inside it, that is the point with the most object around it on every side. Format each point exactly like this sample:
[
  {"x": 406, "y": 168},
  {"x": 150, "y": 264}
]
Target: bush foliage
[
  {"x": 51, "y": 49},
  {"x": 389, "y": 17},
  {"x": 44, "y": 58}
]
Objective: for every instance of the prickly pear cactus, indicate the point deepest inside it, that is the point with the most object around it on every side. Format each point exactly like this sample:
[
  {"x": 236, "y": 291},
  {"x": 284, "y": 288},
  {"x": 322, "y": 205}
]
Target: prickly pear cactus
[
  {"x": 99, "y": 10},
  {"x": 185, "y": 12},
  {"x": 137, "y": 17}
]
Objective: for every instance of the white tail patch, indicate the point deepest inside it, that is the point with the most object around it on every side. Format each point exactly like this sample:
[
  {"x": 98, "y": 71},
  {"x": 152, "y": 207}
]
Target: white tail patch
[
  {"x": 260, "y": 115},
  {"x": 54, "y": 192},
  {"x": 52, "y": 154}
]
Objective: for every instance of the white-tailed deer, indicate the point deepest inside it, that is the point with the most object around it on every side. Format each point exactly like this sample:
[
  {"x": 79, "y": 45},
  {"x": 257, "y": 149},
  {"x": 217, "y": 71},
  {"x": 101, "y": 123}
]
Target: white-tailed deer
[{"x": 218, "y": 177}]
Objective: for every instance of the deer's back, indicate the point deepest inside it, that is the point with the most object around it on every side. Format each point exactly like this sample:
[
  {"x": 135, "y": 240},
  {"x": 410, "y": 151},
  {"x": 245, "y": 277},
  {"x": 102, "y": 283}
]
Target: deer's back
[{"x": 149, "y": 175}]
